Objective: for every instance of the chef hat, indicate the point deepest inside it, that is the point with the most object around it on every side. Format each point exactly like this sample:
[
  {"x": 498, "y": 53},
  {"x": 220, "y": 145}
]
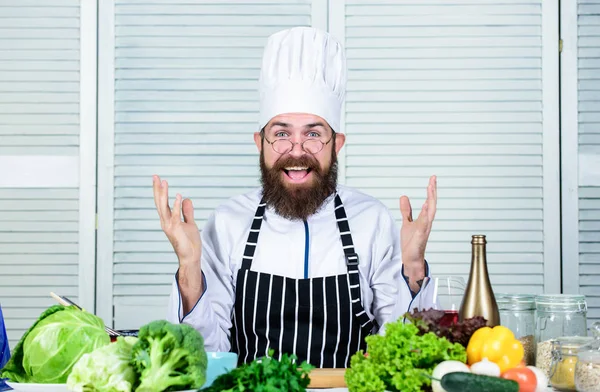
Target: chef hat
[{"x": 303, "y": 71}]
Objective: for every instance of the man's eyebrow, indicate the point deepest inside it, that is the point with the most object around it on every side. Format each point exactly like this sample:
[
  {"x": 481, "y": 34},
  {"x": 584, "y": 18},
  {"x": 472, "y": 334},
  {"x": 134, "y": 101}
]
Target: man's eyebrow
[
  {"x": 307, "y": 126},
  {"x": 280, "y": 124},
  {"x": 314, "y": 125}
]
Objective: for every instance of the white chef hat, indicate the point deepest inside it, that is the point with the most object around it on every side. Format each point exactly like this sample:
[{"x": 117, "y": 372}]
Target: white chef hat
[{"x": 303, "y": 71}]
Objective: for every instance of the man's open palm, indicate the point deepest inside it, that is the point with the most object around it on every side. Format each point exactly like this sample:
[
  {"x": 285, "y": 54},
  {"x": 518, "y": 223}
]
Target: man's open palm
[
  {"x": 414, "y": 234},
  {"x": 183, "y": 234}
]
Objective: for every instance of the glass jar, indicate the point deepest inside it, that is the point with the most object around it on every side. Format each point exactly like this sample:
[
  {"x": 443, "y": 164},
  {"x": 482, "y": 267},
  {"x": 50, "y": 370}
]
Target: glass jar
[
  {"x": 557, "y": 315},
  {"x": 517, "y": 313},
  {"x": 564, "y": 358},
  {"x": 587, "y": 369}
]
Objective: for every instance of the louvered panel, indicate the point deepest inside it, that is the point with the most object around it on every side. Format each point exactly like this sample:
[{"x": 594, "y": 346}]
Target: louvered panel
[
  {"x": 39, "y": 77},
  {"x": 453, "y": 88},
  {"x": 589, "y": 143},
  {"x": 186, "y": 79},
  {"x": 37, "y": 256},
  {"x": 39, "y": 115}
]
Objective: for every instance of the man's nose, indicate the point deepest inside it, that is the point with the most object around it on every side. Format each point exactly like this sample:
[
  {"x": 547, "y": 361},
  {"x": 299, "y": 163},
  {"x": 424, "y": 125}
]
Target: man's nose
[{"x": 297, "y": 150}]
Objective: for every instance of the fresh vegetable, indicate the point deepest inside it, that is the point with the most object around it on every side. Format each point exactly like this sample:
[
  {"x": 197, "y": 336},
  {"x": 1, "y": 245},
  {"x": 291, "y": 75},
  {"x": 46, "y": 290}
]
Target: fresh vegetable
[
  {"x": 498, "y": 345},
  {"x": 444, "y": 368},
  {"x": 401, "y": 360},
  {"x": 266, "y": 375},
  {"x": 106, "y": 369},
  {"x": 48, "y": 350},
  {"x": 486, "y": 368},
  {"x": 542, "y": 380},
  {"x": 169, "y": 357},
  {"x": 429, "y": 321},
  {"x": 461, "y": 382},
  {"x": 524, "y": 376}
]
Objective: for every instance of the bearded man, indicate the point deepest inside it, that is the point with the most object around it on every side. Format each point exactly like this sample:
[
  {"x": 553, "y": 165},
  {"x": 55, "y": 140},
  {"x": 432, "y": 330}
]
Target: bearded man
[{"x": 300, "y": 265}]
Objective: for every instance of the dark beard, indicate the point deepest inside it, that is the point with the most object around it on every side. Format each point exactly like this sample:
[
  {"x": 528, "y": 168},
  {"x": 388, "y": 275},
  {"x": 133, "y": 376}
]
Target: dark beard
[{"x": 297, "y": 202}]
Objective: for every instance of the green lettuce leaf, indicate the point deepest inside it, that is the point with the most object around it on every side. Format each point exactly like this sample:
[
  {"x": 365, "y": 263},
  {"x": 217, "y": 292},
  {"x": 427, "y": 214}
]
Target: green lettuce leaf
[{"x": 106, "y": 369}]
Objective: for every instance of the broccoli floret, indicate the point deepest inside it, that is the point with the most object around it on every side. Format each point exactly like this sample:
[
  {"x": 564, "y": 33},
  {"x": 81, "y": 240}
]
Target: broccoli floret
[{"x": 169, "y": 357}]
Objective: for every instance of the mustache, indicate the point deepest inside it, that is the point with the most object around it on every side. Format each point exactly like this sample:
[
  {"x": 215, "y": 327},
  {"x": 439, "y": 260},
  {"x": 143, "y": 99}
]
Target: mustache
[{"x": 304, "y": 160}]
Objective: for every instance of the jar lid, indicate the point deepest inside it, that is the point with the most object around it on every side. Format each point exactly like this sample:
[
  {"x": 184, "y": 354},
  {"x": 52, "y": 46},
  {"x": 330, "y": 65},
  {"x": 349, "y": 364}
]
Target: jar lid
[
  {"x": 516, "y": 301},
  {"x": 572, "y": 342},
  {"x": 596, "y": 329},
  {"x": 566, "y": 300},
  {"x": 589, "y": 356}
]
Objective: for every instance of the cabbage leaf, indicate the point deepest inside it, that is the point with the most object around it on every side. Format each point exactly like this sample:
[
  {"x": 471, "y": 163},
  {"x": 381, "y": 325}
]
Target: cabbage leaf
[{"x": 106, "y": 369}]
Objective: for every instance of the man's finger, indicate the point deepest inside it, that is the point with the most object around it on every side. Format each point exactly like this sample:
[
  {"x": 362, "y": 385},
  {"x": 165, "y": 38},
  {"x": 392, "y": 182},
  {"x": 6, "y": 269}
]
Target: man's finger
[
  {"x": 405, "y": 209},
  {"x": 176, "y": 214},
  {"x": 156, "y": 192},
  {"x": 423, "y": 217},
  {"x": 188, "y": 211},
  {"x": 432, "y": 198},
  {"x": 165, "y": 210}
]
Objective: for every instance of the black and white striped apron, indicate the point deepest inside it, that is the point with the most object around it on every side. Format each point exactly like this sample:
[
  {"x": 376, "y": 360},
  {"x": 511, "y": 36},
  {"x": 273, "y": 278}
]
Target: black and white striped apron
[{"x": 320, "y": 320}]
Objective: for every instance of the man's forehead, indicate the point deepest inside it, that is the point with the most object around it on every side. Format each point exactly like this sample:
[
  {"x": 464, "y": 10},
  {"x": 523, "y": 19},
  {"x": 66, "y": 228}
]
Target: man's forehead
[{"x": 298, "y": 121}]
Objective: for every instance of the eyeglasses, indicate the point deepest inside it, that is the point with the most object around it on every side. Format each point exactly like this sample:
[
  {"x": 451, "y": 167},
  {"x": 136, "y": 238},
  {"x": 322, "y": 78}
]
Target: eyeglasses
[{"x": 311, "y": 146}]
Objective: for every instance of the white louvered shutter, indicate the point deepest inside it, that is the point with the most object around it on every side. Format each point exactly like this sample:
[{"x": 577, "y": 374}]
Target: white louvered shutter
[
  {"x": 186, "y": 103},
  {"x": 39, "y": 131},
  {"x": 453, "y": 88},
  {"x": 589, "y": 151}
]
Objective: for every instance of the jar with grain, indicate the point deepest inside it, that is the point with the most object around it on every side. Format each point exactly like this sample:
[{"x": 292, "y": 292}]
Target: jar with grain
[
  {"x": 517, "y": 313},
  {"x": 564, "y": 358},
  {"x": 557, "y": 315},
  {"x": 587, "y": 370}
]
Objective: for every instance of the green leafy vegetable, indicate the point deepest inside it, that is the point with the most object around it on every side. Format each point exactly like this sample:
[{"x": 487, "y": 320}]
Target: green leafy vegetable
[
  {"x": 265, "y": 374},
  {"x": 106, "y": 369},
  {"x": 169, "y": 357},
  {"x": 50, "y": 348},
  {"x": 400, "y": 360}
]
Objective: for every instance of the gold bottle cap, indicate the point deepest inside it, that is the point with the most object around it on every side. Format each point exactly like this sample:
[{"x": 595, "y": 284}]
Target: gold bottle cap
[{"x": 478, "y": 239}]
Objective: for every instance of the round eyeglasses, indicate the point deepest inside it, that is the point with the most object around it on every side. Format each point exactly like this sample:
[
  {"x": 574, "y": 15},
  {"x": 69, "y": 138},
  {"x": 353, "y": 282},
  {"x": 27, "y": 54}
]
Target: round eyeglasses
[{"x": 311, "y": 146}]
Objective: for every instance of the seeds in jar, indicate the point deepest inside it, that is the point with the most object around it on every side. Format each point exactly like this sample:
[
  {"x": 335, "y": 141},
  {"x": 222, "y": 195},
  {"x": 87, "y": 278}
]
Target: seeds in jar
[
  {"x": 543, "y": 357},
  {"x": 587, "y": 376},
  {"x": 529, "y": 349}
]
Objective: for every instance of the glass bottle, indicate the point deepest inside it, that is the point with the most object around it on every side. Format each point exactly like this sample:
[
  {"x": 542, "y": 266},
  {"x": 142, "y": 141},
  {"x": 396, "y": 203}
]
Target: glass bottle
[
  {"x": 517, "y": 313},
  {"x": 479, "y": 297}
]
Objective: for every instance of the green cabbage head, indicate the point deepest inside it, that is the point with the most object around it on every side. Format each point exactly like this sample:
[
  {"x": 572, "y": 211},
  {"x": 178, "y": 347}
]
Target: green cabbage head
[
  {"x": 53, "y": 344},
  {"x": 106, "y": 369}
]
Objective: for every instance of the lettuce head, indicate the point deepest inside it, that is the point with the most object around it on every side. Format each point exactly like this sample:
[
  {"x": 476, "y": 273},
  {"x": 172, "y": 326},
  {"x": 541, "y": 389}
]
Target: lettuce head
[
  {"x": 106, "y": 369},
  {"x": 50, "y": 348}
]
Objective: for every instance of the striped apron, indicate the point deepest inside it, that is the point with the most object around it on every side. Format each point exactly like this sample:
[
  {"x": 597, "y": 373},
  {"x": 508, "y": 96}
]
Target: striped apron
[{"x": 320, "y": 320}]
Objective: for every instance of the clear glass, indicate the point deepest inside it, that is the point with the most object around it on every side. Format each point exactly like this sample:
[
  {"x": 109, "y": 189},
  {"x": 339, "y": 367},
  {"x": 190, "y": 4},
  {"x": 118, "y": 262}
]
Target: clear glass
[
  {"x": 517, "y": 313},
  {"x": 564, "y": 359},
  {"x": 448, "y": 292},
  {"x": 557, "y": 316},
  {"x": 587, "y": 369}
]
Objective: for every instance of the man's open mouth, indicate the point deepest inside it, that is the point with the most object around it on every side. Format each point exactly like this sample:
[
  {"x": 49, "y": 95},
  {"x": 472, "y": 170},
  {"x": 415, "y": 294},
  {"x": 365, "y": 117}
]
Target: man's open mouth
[{"x": 297, "y": 172}]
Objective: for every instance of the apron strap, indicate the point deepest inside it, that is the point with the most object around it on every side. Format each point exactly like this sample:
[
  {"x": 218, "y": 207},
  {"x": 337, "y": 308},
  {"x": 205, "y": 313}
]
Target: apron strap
[
  {"x": 352, "y": 264},
  {"x": 253, "y": 236}
]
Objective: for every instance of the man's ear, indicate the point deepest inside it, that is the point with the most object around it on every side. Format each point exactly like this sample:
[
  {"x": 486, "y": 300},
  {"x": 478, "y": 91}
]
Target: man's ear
[
  {"x": 258, "y": 141},
  {"x": 340, "y": 139}
]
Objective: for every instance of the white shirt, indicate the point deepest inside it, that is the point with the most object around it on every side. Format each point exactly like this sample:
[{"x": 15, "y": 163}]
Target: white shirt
[{"x": 281, "y": 251}]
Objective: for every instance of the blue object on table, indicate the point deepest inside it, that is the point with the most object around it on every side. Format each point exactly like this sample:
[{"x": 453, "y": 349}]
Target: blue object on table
[
  {"x": 219, "y": 363},
  {"x": 4, "y": 350}
]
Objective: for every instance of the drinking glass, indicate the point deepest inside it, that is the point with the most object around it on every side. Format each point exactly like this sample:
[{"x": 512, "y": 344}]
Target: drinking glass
[{"x": 446, "y": 293}]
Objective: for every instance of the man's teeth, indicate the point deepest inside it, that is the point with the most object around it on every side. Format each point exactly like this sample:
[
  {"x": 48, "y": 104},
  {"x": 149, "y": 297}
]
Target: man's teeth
[{"x": 296, "y": 168}]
